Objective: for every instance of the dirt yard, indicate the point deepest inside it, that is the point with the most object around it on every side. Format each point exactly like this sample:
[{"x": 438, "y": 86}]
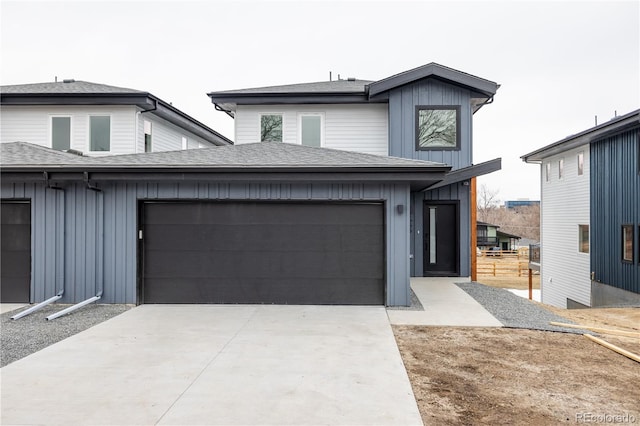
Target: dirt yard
[{"x": 464, "y": 376}]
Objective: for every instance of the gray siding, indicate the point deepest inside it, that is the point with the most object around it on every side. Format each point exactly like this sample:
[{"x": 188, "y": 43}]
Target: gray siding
[
  {"x": 454, "y": 192},
  {"x": 402, "y": 122},
  {"x": 615, "y": 200},
  {"x": 97, "y": 231}
]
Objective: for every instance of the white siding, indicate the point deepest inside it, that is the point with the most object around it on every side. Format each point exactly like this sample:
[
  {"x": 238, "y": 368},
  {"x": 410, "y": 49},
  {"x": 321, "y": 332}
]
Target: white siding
[
  {"x": 352, "y": 127},
  {"x": 565, "y": 205},
  {"x": 33, "y": 124},
  {"x": 166, "y": 136}
]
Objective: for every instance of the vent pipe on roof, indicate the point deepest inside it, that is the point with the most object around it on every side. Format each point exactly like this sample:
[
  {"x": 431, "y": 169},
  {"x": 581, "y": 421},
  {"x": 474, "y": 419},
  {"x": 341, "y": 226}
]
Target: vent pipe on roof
[
  {"x": 68, "y": 80},
  {"x": 351, "y": 79},
  {"x": 330, "y": 79}
]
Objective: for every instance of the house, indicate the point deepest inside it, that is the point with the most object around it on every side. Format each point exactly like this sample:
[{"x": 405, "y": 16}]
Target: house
[
  {"x": 590, "y": 215},
  {"x": 251, "y": 223},
  {"x": 514, "y": 204},
  {"x": 423, "y": 114},
  {"x": 98, "y": 120},
  {"x": 489, "y": 236}
]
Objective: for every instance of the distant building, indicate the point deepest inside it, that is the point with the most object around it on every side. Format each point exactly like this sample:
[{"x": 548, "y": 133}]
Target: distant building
[{"x": 520, "y": 203}]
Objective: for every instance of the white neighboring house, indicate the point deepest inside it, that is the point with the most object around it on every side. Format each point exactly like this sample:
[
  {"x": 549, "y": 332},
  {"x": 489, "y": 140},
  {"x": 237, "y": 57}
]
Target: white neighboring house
[{"x": 98, "y": 120}]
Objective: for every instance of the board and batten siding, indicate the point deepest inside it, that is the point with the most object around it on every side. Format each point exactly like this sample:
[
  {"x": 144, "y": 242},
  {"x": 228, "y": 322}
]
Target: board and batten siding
[
  {"x": 615, "y": 201},
  {"x": 402, "y": 121},
  {"x": 87, "y": 240},
  {"x": 33, "y": 124},
  {"x": 565, "y": 272},
  {"x": 349, "y": 127}
]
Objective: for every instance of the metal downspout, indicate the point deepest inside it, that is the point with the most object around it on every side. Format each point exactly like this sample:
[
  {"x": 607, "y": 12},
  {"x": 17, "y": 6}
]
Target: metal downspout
[
  {"x": 60, "y": 293},
  {"x": 99, "y": 255}
]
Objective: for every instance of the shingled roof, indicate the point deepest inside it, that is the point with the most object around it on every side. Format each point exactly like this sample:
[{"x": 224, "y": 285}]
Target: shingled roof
[{"x": 65, "y": 87}]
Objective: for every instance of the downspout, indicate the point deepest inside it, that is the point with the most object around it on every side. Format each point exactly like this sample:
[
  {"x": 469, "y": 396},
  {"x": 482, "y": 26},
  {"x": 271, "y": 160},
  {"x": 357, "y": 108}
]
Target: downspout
[
  {"x": 135, "y": 133},
  {"x": 60, "y": 293},
  {"x": 99, "y": 255}
]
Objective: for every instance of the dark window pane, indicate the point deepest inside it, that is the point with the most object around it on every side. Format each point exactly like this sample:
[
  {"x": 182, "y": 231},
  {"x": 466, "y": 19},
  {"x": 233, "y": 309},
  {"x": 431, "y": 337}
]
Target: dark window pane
[
  {"x": 61, "y": 133},
  {"x": 271, "y": 128},
  {"x": 100, "y": 133},
  {"x": 583, "y": 232},
  {"x": 311, "y": 130},
  {"x": 627, "y": 243}
]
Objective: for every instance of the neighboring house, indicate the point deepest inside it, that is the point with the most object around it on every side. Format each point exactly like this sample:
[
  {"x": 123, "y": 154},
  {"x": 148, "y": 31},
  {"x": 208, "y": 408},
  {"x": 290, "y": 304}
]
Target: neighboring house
[
  {"x": 251, "y": 223},
  {"x": 590, "y": 215},
  {"x": 423, "y": 114},
  {"x": 98, "y": 120},
  {"x": 489, "y": 235},
  {"x": 514, "y": 204}
]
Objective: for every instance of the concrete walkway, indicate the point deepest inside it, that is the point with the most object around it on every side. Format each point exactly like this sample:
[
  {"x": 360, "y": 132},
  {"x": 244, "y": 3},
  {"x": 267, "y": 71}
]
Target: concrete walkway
[
  {"x": 8, "y": 307},
  {"x": 212, "y": 364},
  {"x": 445, "y": 304}
]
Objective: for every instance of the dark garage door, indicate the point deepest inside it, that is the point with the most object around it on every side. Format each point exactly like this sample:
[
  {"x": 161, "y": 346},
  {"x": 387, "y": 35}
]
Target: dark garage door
[
  {"x": 282, "y": 253},
  {"x": 15, "y": 255}
]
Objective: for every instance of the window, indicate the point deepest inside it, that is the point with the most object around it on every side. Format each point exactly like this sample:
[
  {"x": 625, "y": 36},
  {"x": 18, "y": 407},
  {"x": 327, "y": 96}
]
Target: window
[
  {"x": 185, "y": 143},
  {"x": 580, "y": 163},
  {"x": 311, "y": 130},
  {"x": 100, "y": 133},
  {"x": 583, "y": 238},
  {"x": 627, "y": 243},
  {"x": 548, "y": 172},
  {"x": 147, "y": 136},
  {"x": 437, "y": 127},
  {"x": 271, "y": 128},
  {"x": 560, "y": 168},
  {"x": 61, "y": 133}
]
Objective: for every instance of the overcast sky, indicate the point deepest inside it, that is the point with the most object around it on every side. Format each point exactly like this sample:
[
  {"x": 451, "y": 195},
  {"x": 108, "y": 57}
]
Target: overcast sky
[{"x": 559, "y": 64}]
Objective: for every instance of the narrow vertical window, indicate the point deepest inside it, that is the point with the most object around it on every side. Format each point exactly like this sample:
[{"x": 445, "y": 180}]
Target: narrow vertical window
[
  {"x": 627, "y": 243},
  {"x": 583, "y": 238},
  {"x": 185, "y": 143},
  {"x": 271, "y": 128},
  {"x": 560, "y": 168},
  {"x": 581, "y": 163},
  {"x": 61, "y": 133},
  {"x": 100, "y": 133},
  {"x": 147, "y": 136},
  {"x": 432, "y": 235},
  {"x": 311, "y": 130},
  {"x": 548, "y": 172}
]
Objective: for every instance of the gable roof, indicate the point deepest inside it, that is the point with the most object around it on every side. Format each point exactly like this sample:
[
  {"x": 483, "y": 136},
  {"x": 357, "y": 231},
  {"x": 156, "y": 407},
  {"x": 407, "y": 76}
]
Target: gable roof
[
  {"x": 72, "y": 92},
  {"x": 615, "y": 125},
  {"x": 258, "y": 162},
  {"x": 352, "y": 90}
]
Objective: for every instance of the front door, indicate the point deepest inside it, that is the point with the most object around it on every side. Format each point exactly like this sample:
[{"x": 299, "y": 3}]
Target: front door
[{"x": 441, "y": 255}]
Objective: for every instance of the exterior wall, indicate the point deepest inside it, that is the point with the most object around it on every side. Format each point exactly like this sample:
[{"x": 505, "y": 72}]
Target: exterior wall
[
  {"x": 33, "y": 124},
  {"x": 565, "y": 272},
  {"x": 402, "y": 121},
  {"x": 350, "y": 127},
  {"x": 455, "y": 192},
  {"x": 615, "y": 200},
  {"x": 97, "y": 231}
]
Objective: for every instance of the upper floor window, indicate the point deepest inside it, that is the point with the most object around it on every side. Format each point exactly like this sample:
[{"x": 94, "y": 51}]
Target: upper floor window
[
  {"x": 437, "y": 127},
  {"x": 271, "y": 128},
  {"x": 583, "y": 238},
  {"x": 311, "y": 129},
  {"x": 580, "y": 163},
  {"x": 547, "y": 172},
  {"x": 185, "y": 143},
  {"x": 627, "y": 243},
  {"x": 100, "y": 133},
  {"x": 147, "y": 136},
  {"x": 560, "y": 168},
  {"x": 61, "y": 133}
]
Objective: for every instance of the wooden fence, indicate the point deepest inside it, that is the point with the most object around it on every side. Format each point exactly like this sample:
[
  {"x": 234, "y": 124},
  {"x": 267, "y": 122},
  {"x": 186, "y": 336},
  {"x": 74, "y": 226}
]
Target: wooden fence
[
  {"x": 521, "y": 253},
  {"x": 495, "y": 269}
]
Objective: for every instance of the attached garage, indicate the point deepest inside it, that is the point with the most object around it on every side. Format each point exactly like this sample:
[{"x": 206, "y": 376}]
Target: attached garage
[
  {"x": 263, "y": 252},
  {"x": 15, "y": 220}
]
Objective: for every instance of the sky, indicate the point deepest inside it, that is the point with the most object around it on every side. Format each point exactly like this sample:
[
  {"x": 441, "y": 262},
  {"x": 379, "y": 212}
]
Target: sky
[{"x": 559, "y": 64}]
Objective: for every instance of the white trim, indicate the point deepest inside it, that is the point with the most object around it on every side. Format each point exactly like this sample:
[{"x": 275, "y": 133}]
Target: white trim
[
  {"x": 580, "y": 154},
  {"x": 185, "y": 142},
  {"x": 560, "y": 168},
  {"x": 260, "y": 114},
  {"x": 311, "y": 114},
  {"x": 50, "y": 133},
  {"x": 89, "y": 131},
  {"x": 144, "y": 134}
]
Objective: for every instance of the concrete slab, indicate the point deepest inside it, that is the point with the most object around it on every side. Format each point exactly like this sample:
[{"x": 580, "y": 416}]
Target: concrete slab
[
  {"x": 212, "y": 364},
  {"x": 445, "y": 304},
  {"x": 8, "y": 307}
]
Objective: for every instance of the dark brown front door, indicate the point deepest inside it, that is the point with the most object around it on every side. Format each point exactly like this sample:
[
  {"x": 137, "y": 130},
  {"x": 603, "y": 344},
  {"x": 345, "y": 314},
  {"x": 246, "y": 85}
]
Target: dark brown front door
[
  {"x": 441, "y": 238},
  {"x": 15, "y": 222},
  {"x": 261, "y": 252}
]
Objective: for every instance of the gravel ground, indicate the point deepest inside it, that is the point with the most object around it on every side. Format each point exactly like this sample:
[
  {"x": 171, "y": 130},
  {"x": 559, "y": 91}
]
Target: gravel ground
[
  {"x": 24, "y": 336},
  {"x": 415, "y": 304},
  {"x": 515, "y": 311}
]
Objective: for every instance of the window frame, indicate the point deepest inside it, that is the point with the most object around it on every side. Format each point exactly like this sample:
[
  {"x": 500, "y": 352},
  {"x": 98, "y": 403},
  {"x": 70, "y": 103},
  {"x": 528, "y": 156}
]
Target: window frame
[
  {"x": 145, "y": 134},
  {"x": 560, "y": 168},
  {"x": 623, "y": 241},
  {"x": 547, "y": 172},
  {"x": 581, "y": 241},
  {"x": 457, "y": 109},
  {"x": 185, "y": 143},
  {"x": 110, "y": 131},
  {"x": 311, "y": 114},
  {"x": 580, "y": 160},
  {"x": 51, "y": 117},
  {"x": 262, "y": 114}
]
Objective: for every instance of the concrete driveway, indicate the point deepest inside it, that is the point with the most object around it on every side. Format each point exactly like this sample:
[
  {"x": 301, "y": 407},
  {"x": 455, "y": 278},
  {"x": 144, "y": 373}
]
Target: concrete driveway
[{"x": 212, "y": 364}]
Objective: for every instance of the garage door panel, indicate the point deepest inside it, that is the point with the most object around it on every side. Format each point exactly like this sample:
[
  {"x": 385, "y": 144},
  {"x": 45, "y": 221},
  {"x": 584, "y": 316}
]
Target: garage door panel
[
  {"x": 12, "y": 237},
  {"x": 15, "y": 253},
  {"x": 263, "y": 253}
]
